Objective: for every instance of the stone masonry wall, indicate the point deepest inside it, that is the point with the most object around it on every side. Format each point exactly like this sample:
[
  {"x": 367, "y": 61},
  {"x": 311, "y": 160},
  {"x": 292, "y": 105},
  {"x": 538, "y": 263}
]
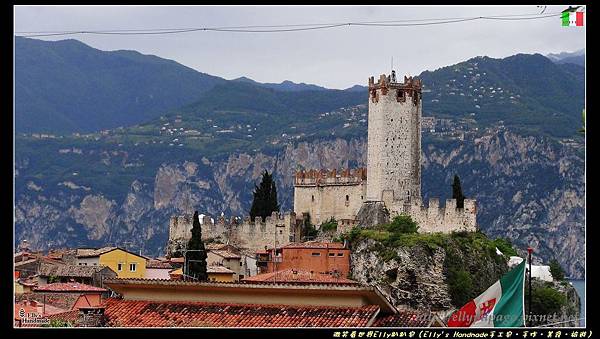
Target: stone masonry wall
[
  {"x": 394, "y": 138},
  {"x": 326, "y": 194},
  {"x": 433, "y": 218},
  {"x": 275, "y": 230}
]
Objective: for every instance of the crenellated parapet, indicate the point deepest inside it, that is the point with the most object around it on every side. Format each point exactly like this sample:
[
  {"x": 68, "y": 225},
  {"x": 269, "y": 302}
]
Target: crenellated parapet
[
  {"x": 333, "y": 177},
  {"x": 436, "y": 218},
  {"x": 410, "y": 88},
  {"x": 276, "y": 229}
]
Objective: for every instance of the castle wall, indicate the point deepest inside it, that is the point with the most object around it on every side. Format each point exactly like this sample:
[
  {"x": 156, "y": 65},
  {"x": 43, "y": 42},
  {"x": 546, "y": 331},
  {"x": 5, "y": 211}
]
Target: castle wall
[
  {"x": 433, "y": 218},
  {"x": 325, "y": 194},
  {"x": 394, "y": 138},
  {"x": 275, "y": 230},
  {"x": 324, "y": 202}
]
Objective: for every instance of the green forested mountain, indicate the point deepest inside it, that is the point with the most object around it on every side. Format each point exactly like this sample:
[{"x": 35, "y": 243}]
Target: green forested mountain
[
  {"x": 67, "y": 86},
  {"x": 528, "y": 92}
]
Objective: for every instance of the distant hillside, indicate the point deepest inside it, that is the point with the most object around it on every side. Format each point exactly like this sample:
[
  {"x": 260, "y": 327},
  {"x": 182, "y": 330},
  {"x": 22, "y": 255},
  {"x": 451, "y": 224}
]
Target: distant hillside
[
  {"x": 577, "y": 57},
  {"x": 283, "y": 86},
  {"x": 526, "y": 91},
  {"x": 67, "y": 86}
]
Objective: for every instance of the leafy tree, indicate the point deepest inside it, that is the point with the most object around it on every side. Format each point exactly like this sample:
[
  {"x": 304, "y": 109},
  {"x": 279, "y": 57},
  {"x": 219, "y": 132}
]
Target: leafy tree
[
  {"x": 265, "y": 198},
  {"x": 329, "y": 225},
  {"x": 196, "y": 255},
  {"x": 556, "y": 270},
  {"x": 545, "y": 301},
  {"x": 457, "y": 192}
]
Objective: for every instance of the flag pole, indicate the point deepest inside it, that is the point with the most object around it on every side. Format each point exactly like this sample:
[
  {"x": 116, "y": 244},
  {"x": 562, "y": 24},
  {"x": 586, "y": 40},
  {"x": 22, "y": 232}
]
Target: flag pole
[{"x": 529, "y": 251}]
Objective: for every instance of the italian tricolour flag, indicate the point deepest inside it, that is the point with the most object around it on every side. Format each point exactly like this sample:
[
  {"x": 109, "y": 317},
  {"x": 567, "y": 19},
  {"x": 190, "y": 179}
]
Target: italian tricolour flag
[
  {"x": 572, "y": 18},
  {"x": 501, "y": 305}
]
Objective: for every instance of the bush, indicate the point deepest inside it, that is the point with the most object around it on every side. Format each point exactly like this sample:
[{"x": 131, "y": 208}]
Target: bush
[
  {"x": 556, "y": 270},
  {"x": 310, "y": 231},
  {"x": 546, "y": 300},
  {"x": 402, "y": 224},
  {"x": 330, "y": 225}
]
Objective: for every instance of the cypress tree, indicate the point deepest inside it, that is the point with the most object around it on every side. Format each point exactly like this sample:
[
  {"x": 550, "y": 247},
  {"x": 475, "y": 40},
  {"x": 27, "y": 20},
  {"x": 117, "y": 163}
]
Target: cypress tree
[
  {"x": 265, "y": 198},
  {"x": 196, "y": 259},
  {"x": 457, "y": 192}
]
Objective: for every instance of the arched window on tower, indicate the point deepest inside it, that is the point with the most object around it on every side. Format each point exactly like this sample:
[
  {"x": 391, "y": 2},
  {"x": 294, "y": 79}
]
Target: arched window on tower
[
  {"x": 347, "y": 197},
  {"x": 312, "y": 198}
]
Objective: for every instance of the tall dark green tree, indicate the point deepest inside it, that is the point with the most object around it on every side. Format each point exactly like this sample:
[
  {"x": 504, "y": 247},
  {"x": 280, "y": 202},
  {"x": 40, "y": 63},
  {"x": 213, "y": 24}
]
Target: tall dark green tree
[
  {"x": 265, "y": 198},
  {"x": 196, "y": 256},
  {"x": 457, "y": 192}
]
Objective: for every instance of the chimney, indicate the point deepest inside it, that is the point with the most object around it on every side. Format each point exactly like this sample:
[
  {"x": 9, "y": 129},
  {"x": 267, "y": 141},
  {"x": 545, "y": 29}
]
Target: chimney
[{"x": 91, "y": 316}]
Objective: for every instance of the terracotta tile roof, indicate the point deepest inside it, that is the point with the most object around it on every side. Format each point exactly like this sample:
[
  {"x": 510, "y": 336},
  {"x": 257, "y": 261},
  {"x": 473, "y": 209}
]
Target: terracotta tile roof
[
  {"x": 88, "y": 252},
  {"x": 218, "y": 269},
  {"x": 215, "y": 246},
  {"x": 158, "y": 264},
  {"x": 68, "y": 316},
  {"x": 133, "y": 313},
  {"x": 315, "y": 244},
  {"x": 404, "y": 319},
  {"x": 297, "y": 276},
  {"x": 69, "y": 287},
  {"x": 176, "y": 260},
  {"x": 226, "y": 254},
  {"x": 66, "y": 270}
]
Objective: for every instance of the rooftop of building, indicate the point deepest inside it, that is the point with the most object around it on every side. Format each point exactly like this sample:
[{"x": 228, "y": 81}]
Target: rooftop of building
[
  {"x": 226, "y": 254},
  {"x": 69, "y": 287},
  {"x": 67, "y": 270},
  {"x": 298, "y": 276},
  {"x": 90, "y": 253},
  {"x": 313, "y": 177},
  {"x": 315, "y": 244},
  {"x": 136, "y": 313},
  {"x": 155, "y": 263}
]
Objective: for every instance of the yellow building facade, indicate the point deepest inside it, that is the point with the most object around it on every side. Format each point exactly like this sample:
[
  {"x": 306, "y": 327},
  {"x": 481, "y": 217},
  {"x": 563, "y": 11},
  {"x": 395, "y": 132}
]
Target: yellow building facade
[{"x": 126, "y": 264}]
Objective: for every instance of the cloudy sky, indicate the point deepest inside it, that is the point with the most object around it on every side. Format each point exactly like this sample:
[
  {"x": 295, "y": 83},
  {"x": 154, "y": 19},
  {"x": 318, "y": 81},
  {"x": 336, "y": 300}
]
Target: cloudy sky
[{"x": 335, "y": 57}]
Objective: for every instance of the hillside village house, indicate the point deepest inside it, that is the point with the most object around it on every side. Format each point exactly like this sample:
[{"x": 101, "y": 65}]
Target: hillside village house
[
  {"x": 311, "y": 256},
  {"x": 126, "y": 264},
  {"x": 90, "y": 275},
  {"x": 157, "y": 269},
  {"x": 229, "y": 256}
]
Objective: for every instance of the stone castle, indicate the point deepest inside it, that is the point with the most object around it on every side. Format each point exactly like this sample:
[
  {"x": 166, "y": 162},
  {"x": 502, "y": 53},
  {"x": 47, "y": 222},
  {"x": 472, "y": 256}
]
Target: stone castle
[
  {"x": 393, "y": 181},
  {"x": 393, "y": 168}
]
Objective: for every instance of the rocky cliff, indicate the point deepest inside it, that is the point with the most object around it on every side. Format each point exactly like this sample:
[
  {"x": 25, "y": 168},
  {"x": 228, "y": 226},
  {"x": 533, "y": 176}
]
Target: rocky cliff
[
  {"x": 441, "y": 273},
  {"x": 529, "y": 189}
]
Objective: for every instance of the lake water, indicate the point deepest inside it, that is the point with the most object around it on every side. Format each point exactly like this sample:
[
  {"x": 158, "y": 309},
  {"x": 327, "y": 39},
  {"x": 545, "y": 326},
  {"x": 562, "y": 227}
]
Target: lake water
[{"x": 580, "y": 287}]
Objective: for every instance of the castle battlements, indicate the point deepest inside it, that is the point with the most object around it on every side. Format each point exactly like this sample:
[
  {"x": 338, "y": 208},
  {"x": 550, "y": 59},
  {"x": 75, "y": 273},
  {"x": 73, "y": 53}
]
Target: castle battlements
[
  {"x": 241, "y": 232},
  {"x": 433, "y": 217},
  {"x": 314, "y": 177}
]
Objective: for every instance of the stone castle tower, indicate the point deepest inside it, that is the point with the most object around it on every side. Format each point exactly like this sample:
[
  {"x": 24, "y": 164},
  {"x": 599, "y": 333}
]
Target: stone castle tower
[{"x": 394, "y": 139}]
